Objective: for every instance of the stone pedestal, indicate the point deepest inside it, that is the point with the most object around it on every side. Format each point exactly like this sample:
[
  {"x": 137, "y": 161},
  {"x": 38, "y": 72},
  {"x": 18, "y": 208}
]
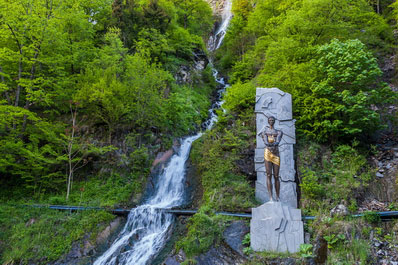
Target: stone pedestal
[
  {"x": 275, "y": 102},
  {"x": 276, "y": 227}
]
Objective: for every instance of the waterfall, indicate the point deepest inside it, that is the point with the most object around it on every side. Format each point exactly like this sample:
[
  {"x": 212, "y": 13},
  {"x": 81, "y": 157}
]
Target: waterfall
[
  {"x": 147, "y": 227},
  {"x": 216, "y": 40}
]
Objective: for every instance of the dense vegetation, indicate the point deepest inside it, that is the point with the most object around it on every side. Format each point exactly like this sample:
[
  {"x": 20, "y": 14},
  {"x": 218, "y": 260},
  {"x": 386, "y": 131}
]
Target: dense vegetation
[
  {"x": 90, "y": 92},
  {"x": 328, "y": 54}
]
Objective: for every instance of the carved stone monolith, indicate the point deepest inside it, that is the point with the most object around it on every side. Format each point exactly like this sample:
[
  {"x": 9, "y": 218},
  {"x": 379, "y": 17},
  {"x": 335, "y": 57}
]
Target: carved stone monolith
[
  {"x": 276, "y": 103},
  {"x": 276, "y": 226}
]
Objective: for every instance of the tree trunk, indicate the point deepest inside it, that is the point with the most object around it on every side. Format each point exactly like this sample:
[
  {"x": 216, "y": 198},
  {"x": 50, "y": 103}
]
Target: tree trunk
[{"x": 70, "y": 151}]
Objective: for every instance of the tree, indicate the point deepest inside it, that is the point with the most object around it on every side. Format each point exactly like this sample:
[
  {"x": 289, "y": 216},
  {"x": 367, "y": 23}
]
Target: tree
[
  {"x": 341, "y": 98},
  {"x": 44, "y": 44},
  {"x": 120, "y": 88},
  {"x": 195, "y": 15},
  {"x": 78, "y": 149},
  {"x": 31, "y": 157}
]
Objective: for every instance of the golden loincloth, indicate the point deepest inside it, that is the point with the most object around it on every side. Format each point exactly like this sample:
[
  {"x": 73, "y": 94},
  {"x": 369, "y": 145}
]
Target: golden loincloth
[{"x": 269, "y": 156}]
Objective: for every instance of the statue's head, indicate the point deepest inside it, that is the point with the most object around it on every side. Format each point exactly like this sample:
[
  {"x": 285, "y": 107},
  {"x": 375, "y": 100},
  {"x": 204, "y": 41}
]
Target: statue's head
[{"x": 271, "y": 120}]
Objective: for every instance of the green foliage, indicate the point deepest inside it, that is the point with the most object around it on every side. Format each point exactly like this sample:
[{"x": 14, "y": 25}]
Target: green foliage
[
  {"x": 58, "y": 54},
  {"x": 31, "y": 149},
  {"x": 246, "y": 242},
  {"x": 306, "y": 250},
  {"x": 195, "y": 15},
  {"x": 240, "y": 96},
  {"x": 39, "y": 235},
  {"x": 340, "y": 102},
  {"x": 189, "y": 261},
  {"x": 110, "y": 191},
  {"x": 334, "y": 239},
  {"x": 214, "y": 156},
  {"x": 310, "y": 186},
  {"x": 357, "y": 251},
  {"x": 203, "y": 231},
  {"x": 114, "y": 62},
  {"x": 317, "y": 51},
  {"x": 371, "y": 217},
  {"x": 334, "y": 176},
  {"x": 248, "y": 251},
  {"x": 346, "y": 166},
  {"x": 186, "y": 109}
]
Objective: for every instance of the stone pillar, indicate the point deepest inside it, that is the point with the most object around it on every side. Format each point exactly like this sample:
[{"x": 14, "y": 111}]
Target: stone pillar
[
  {"x": 274, "y": 102},
  {"x": 276, "y": 226}
]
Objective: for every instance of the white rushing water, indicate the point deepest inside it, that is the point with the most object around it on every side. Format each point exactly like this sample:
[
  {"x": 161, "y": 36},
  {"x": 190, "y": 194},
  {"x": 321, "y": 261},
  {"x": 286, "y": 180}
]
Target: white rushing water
[
  {"x": 148, "y": 226},
  {"x": 226, "y": 16}
]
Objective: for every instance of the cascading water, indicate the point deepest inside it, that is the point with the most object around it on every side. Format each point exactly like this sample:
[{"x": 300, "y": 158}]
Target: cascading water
[
  {"x": 216, "y": 40},
  {"x": 147, "y": 227}
]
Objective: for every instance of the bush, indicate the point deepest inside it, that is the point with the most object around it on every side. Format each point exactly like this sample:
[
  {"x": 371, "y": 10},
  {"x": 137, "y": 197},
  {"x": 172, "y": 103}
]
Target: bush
[{"x": 339, "y": 105}]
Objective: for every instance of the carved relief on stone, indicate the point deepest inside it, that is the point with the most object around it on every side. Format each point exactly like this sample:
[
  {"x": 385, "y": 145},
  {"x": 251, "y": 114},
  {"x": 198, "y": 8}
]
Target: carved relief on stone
[
  {"x": 274, "y": 102},
  {"x": 276, "y": 227}
]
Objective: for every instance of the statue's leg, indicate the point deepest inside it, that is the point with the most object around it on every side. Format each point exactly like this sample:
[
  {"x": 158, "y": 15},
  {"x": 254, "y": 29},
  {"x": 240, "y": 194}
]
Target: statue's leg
[
  {"x": 276, "y": 180},
  {"x": 268, "y": 168}
]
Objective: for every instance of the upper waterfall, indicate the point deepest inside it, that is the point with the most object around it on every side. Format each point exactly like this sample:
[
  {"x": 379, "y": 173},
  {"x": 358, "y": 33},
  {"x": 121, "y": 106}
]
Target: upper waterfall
[{"x": 216, "y": 40}]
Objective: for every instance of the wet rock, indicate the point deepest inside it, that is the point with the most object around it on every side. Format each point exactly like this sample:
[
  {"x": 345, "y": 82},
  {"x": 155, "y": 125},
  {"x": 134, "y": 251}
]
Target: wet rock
[
  {"x": 104, "y": 235},
  {"x": 176, "y": 259},
  {"x": 200, "y": 65},
  {"x": 339, "y": 210},
  {"x": 171, "y": 261},
  {"x": 234, "y": 234},
  {"x": 221, "y": 255},
  {"x": 320, "y": 250}
]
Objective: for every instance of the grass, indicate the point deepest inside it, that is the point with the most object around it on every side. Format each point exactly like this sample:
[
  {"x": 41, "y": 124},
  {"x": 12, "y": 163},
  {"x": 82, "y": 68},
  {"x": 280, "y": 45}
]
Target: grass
[{"x": 43, "y": 235}]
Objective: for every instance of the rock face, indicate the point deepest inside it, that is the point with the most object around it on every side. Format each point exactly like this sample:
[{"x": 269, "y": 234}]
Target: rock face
[
  {"x": 220, "y": 255},
  {"x": 217, "y": 6},
  {"x": 276, "y": 227},
  {"x": 83, "y": 251},
  {"x": 274, "y": 102},
  {"x": 339, "y": 210},
  {"x": 234, "y": 234}
]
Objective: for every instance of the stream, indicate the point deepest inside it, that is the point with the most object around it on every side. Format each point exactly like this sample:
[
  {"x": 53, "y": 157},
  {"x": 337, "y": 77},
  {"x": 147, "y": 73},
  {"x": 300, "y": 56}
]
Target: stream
[{"x": 147, "y": 227}]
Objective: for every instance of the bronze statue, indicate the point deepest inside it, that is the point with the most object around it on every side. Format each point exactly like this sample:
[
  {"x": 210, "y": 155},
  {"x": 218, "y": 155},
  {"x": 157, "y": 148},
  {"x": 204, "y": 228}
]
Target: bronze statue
[{"x": 272, "y": 138}]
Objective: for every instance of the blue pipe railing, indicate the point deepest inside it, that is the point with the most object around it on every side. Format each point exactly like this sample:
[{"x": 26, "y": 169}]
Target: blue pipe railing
[{"x": 385, "y": 216}]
